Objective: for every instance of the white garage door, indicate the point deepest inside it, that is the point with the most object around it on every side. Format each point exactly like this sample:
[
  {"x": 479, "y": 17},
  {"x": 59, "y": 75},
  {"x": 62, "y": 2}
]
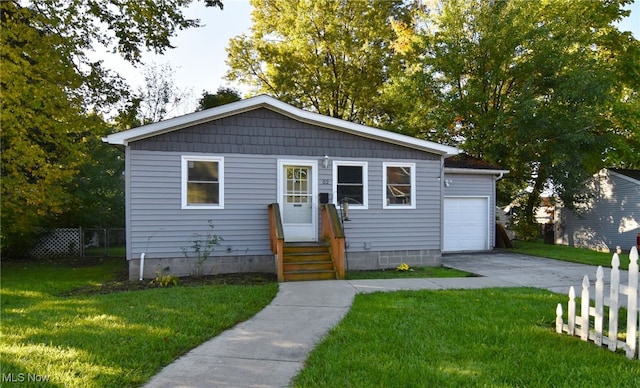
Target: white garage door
[{"x": 466, "y": 226}]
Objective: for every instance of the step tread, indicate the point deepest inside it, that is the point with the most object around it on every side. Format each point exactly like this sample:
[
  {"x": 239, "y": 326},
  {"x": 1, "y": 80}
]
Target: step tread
[
  {"x": 315, "y": 256},
  {"x": 317, "y": 275}
]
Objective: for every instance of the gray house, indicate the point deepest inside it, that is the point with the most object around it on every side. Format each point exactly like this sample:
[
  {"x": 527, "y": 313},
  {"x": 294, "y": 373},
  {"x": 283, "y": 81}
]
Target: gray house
[
  {"x": 611, "y": 217},
  {"x": 273, "y": 181}
]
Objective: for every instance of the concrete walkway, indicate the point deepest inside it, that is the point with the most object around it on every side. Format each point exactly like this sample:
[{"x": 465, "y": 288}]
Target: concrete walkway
[{"x": 270, "y": 349}]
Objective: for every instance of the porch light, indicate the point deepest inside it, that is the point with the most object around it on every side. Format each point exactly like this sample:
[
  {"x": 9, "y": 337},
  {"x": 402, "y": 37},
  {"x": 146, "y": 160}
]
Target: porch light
[{"x": 325, "y": 161}]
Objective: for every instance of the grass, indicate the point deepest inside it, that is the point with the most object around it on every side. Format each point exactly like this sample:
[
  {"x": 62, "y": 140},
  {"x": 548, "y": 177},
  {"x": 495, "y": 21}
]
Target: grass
[
  {"x": 452, "y": 338},
  {"x": 116, "y": 339},
  {"x": 113, "y": 251},
  {"x": 566, "y": 253},
  {"x": 416, "y": 272},
  {"x": 492, "y": 337}
]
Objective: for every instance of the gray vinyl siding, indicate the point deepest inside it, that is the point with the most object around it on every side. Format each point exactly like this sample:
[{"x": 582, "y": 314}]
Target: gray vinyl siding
[
  {"x": 158, "y": 226},
  {"x": 378, "y": 229},
  {"x": 611, "y": 220},
  {"x": 251, "y": 144},
  {"x": 463, "y": 185}
]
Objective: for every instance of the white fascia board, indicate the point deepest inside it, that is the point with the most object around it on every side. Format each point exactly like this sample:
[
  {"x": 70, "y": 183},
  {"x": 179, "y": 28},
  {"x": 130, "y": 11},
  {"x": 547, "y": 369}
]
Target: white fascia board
[
  {"x": 176, "y": 123},
  {"x": 474, "y": 171}
]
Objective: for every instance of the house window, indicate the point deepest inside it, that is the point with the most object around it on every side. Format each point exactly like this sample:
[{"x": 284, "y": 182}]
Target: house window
[
  {"x": 350, "y": 184},
  {"x": 202, "y": 182},
  {"x": 399, "y": 180}
]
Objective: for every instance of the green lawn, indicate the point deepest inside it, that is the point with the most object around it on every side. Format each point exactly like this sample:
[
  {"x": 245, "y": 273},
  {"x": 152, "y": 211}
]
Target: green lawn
[
  {"x": 113, "y": 340},
  {"x": 493, "y": 337},
  {"x": 566, "y": 253},
  {"x": 114, "y": 251},
  {"x": 453, "y": 338}
]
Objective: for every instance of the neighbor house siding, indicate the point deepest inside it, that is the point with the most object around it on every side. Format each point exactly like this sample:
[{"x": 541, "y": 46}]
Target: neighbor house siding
[
  {"x": 462, "y": 185},
  {"x": 609, "y": 220}
]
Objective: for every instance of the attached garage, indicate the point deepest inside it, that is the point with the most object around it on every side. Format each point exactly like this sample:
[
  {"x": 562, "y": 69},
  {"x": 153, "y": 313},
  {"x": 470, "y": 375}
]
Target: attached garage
[
  {"x": 468, "y": 204},
  {"x": 466, "y": 224}
]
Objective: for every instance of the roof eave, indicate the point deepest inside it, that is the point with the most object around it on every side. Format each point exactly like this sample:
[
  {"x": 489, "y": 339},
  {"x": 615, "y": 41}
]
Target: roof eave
[
  {"x": 623, "y": 176},
  {"x": 475, "y": 171}
]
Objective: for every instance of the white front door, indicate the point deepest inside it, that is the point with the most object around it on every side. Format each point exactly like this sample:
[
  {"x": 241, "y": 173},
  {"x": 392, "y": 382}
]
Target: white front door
[{"x": 297, "y": 198}]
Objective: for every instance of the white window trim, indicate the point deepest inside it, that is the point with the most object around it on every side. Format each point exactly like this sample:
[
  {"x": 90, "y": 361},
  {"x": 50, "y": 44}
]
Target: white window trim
[
  {"x": 185, "y": 174},
  {"x": 365, "y": 183},
  {"x": 384, "y": 185}
]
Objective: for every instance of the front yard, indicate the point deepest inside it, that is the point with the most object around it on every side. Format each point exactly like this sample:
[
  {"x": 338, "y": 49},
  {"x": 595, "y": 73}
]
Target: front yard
[
  {"x": 118, "y": 339},
  {"x": 72, "y": 325},
  {"x": 460, "y": 338}
]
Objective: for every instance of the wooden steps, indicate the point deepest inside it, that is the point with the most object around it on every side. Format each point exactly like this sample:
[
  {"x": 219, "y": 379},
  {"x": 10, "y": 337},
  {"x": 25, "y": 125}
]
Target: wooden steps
[{"x": 307, "y": 261}]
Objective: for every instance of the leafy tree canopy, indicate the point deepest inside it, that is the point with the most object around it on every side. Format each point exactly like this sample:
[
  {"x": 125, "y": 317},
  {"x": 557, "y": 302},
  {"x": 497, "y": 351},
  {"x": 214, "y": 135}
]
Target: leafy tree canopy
[
  {"x": 547, "y": 89},
  {"x": 221, "y": 97},
  {"x": 51, "y": 92},
  {"x": 328, "y": 56}
]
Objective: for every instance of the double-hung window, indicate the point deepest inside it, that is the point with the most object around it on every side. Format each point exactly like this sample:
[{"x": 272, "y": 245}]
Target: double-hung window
[
  {"x": 202, "y": 182},
  {"x": 350, "y": 184},
  {"x": 399, "y": 181}
]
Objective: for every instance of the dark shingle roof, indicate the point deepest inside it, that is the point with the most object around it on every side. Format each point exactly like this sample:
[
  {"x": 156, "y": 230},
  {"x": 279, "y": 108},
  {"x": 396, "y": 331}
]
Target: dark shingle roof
[
  {"x": 635, "y": 174},
  {"x": 466, "y": 161}
]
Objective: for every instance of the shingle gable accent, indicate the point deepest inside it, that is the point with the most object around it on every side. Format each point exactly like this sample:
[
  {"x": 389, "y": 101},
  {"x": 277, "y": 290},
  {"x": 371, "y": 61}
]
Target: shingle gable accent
[
  {"x": 263, "y": 131},
  {"x": 263, "y": 101}
]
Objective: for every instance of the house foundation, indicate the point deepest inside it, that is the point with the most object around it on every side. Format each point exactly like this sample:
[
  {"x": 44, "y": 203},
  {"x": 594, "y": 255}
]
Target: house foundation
[
  {"x": 214, "y": 265},
  {"x": 362, "y": 261}
]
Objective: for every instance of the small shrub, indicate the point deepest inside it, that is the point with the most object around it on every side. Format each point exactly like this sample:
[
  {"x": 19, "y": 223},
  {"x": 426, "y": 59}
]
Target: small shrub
[
  {"x": 201, "y": 248},
  {"x": 165, "y": 280},
  {"x": 403, "y": 267}
]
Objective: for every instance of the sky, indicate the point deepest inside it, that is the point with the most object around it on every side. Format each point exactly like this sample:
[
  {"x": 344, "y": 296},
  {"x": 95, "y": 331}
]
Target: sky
[{"x": 199, "y": 59}]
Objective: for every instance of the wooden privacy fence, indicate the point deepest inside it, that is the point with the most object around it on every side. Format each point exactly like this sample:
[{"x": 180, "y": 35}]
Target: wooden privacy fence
[{"x": 581, "y": 325}]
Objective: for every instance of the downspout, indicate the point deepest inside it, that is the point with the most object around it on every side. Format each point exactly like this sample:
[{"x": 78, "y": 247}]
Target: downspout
[
  {"x": 495, "y": 203},
  {"x": 441, "y": 181},
  {"x": 141, "y": 265}
]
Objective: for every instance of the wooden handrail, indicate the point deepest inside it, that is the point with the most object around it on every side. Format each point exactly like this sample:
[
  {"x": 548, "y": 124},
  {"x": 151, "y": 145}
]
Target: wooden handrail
[
  {"x": 276, "y": 237},
  {"x": 333, "y": 232}
]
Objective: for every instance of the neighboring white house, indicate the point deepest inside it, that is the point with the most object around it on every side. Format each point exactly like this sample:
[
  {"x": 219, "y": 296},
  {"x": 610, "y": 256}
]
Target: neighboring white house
[{"x": 610, "y": 219}]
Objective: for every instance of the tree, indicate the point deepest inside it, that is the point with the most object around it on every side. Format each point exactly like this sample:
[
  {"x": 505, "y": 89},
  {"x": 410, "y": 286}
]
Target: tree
[
  {"x": 533, "y": 87},
  {"x": 221, "y": 97},
  {"x": 98, "y": 187},
  {"x": 51, "y": 92},
  {"x": 159, "y": 96},
  {"x": 328, "y": 56}
]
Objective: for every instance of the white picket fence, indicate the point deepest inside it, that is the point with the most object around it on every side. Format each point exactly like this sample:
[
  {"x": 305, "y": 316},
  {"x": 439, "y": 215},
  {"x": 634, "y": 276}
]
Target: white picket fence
[{"x": 580, "y": 325}]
